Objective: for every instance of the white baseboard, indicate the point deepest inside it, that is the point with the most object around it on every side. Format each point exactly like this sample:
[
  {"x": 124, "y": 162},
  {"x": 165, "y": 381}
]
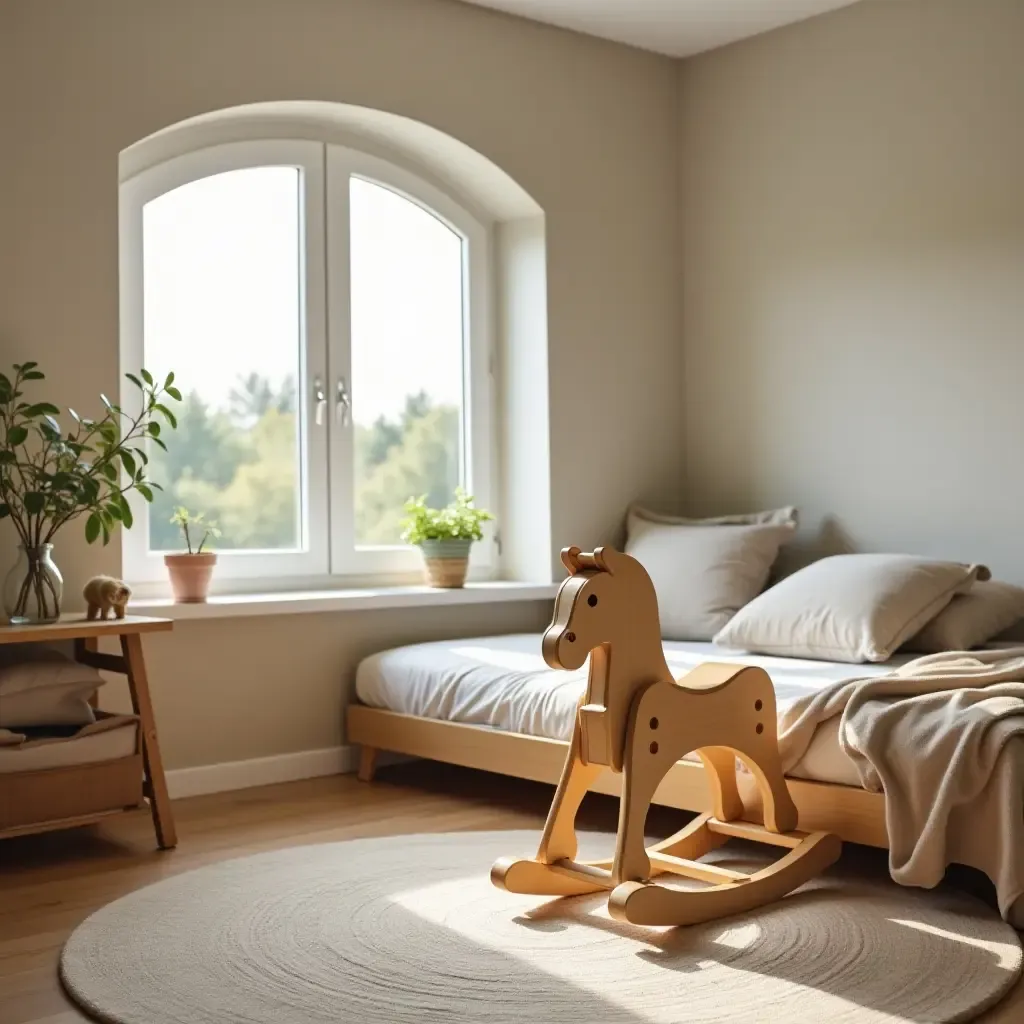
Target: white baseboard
[{"x": 261, "y": 771}]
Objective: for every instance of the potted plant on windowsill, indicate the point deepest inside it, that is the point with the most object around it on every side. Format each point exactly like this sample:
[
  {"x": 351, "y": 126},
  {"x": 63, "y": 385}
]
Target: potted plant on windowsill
[
  {"x": 191, "y": 571},
  {"x": 445, "y": 536},
  {"x": 50, "y": 475}
]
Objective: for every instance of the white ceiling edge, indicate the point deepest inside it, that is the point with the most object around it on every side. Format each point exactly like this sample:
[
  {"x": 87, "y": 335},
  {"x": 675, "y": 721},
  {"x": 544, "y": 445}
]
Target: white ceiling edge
[{"x": 675, "y": 28}]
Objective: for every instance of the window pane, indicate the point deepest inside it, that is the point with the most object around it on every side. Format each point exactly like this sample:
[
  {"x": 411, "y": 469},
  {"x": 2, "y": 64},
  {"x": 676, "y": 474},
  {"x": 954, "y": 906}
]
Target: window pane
[
  {"x": 223, "y": 310},
  {"x": 407, "y": 351}
]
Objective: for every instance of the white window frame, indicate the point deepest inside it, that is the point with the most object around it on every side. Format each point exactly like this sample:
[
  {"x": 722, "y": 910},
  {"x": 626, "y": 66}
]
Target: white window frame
[
  {"x": 327, "y": 554},
  {"x": 477, "y": 442}
]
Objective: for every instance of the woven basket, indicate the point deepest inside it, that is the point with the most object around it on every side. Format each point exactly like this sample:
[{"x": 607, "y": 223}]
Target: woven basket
[{"x": 446, "y": 562}]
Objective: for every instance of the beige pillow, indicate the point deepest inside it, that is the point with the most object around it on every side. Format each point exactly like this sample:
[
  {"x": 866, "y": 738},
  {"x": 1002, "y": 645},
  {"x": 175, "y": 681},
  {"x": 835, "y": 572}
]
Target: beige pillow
[
  {"x": 26, "y": 666},
  {"x": 48, "y": 705},
  {"x": 849, "y": 607},
  {"x": 41, "y": 686},
  {"x": 11, "y": 739},
  {"x": 772, "y": 517},
  {"x": 704, "y": 570},
  {"x": 971, "y": 619}
]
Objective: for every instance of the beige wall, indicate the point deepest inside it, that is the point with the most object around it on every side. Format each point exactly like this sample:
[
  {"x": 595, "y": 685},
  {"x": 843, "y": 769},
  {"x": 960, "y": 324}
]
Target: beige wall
[
  {"x": 7, "y": 105},
  {"x": 853, "y": 277},
  {"x": 847, "y": 193},
  {"x": 587, "y": 127}
]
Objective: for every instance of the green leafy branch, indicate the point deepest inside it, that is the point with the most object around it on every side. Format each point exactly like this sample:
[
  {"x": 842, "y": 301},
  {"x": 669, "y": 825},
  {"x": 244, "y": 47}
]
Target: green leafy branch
[
  {"x": 49, "y": 475},
  {"x": 459, "y": 520}
]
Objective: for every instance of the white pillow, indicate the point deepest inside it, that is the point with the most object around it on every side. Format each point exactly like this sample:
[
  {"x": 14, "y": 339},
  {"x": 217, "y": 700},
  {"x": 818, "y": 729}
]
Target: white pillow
[
  {"x": 851, "y": 608},
  {"x": 971, "y": 619},
  {"x": 41, "y": 686},
  {"x": 705, "y": 570}
]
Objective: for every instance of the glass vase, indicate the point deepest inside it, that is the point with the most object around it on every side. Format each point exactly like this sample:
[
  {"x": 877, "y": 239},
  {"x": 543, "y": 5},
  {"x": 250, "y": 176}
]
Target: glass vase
[{"x": 33, "y": 588}]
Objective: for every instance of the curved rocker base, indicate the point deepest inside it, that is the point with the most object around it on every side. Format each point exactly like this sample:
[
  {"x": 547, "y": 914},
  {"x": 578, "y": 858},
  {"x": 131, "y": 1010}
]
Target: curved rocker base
[
  {"x": 645, "y": 903},
  {"x": 531, "y": 876}
]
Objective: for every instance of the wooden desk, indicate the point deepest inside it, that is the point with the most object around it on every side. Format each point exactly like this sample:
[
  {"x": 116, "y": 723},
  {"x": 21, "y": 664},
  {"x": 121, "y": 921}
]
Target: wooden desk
[{"x": 129, "y": 663}]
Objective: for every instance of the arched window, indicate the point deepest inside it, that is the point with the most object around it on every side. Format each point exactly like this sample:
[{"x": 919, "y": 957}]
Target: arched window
[{"x": 327, "y": 317}]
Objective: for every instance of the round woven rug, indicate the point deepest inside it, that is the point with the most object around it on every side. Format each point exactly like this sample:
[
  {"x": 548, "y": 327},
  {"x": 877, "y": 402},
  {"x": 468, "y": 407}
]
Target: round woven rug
[{"x": 408, "y": 930}]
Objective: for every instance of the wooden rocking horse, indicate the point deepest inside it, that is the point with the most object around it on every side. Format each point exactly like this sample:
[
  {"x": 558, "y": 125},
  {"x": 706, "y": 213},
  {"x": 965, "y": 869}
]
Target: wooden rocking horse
[{"x": 636, "y": 719}]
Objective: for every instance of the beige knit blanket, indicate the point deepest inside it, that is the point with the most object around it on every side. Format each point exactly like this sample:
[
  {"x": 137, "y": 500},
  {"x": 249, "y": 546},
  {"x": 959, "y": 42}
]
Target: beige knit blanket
[{"x": 943, "y": 737}]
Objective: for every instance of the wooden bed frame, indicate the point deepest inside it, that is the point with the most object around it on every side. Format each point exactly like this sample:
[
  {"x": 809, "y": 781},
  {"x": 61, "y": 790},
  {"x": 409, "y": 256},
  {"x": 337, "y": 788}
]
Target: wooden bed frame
[{"x": 854, "y": 814}]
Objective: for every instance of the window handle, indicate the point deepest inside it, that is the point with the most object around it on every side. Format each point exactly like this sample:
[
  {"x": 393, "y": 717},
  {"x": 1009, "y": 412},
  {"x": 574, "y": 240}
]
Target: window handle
[
  {"x": 343, "y": 403},
  {"x": 320, "y": 397}
]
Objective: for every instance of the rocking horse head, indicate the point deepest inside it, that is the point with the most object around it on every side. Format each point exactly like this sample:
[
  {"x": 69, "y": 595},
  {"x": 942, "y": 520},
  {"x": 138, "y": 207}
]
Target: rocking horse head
[{"x": 606, "y": 598}]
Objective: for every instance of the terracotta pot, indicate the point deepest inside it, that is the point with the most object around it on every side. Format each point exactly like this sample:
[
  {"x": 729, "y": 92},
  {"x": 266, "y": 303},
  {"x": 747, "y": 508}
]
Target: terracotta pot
[
  {"x": 190, "y": 576},
  {"x": 446, "y": 562}
]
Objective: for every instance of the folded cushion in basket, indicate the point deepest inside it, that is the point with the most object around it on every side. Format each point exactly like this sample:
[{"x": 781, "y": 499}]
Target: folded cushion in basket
[
  {"x": 850, "y": 608},
  {"x": 40, "y": 686},
  {"x": 705, "y": 570},
  {"x": 971, "y": 619}
]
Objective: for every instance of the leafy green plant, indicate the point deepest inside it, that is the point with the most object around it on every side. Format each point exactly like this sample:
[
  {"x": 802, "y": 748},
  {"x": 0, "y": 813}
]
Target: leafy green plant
[
  {"x": 184, "y": 519},
  {"x": 459, "y": 520},
  {"x": 49, "y": 475}
]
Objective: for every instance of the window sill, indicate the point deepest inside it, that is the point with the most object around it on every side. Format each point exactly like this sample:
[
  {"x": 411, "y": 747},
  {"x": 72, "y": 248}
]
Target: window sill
[{"x": 232, "y": 606}]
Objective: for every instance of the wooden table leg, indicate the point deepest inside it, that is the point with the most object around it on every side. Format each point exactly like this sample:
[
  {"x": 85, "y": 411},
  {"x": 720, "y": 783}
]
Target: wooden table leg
[{"x": 138, "y": 684}]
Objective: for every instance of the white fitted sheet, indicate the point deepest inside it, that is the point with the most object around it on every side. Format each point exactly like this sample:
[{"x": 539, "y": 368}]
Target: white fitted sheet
[{"x": 502, "y": 682}]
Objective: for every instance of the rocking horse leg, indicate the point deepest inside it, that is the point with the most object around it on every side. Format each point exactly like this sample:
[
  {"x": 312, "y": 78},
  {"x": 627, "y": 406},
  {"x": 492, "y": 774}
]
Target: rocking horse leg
[
  {"x": 720, "y": 765},
  {"x": 559, "y": 839},
  {"x": 643, "y": 769},
  {"x": 780, "y": 813},
  {"x": 543, "y": 875}
]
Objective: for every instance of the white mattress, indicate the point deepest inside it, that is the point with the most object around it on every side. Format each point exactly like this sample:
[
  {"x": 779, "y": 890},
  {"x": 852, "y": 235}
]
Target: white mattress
[{"x": 502, "y": 682}]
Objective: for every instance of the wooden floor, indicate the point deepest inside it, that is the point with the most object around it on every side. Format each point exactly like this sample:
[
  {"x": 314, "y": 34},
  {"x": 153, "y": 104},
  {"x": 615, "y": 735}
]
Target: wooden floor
[{"x": 49, "y": 883}]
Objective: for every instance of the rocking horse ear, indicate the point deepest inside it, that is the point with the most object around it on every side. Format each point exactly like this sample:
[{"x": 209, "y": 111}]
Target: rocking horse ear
[
  {"x": 607, "y": 559},
  {"x": 570, "y": 559}
]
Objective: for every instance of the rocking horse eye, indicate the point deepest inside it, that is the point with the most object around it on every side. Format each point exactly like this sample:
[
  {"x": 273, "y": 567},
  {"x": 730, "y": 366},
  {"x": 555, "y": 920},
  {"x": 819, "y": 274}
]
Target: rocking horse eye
[{"x": 592, "y": 600}]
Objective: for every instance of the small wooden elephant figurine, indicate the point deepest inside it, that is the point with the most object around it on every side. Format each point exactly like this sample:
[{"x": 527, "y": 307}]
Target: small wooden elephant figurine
[{"x": 103, "y": 593}]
